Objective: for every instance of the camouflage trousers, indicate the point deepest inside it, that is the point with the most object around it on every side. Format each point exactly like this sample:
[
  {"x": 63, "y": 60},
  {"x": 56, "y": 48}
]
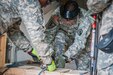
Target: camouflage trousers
[
  {"x": 17, "y": 37},
  {"x": 106, "y": 71},
  {"x": 10, "y": 23},
  {"x": 83, "y": 61}
]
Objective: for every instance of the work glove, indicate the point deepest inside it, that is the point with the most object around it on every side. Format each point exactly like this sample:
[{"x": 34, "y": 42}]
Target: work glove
[
  {"x": 60, "y": 61},
  {"x": 35, "y": 56},
  {"x": 49, "y": 67}
]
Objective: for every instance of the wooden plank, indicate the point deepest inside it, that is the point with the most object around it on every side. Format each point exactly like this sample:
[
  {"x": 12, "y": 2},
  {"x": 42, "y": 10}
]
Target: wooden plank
[
  {"x": 30, "y": 70},
  {"x": 2, "y": 50}
]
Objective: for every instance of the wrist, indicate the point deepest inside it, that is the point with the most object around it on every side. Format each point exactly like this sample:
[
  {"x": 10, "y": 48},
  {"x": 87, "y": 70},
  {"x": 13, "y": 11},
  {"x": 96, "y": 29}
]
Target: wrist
[
  {"x": 46, "y": 60},
  {"x": 67, "y": 59}
]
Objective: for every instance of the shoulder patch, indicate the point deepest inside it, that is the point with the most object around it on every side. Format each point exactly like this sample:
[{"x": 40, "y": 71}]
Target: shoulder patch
[{"x": 79, "y": 32}]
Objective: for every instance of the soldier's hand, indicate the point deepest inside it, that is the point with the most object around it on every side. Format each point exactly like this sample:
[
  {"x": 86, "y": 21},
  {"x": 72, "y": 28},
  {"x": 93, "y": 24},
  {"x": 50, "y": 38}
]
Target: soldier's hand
[{"x": 49, "y": 67}]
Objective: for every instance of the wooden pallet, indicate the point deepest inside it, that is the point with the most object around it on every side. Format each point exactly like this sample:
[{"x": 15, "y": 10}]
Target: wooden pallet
[
  {"x": 2, "y": 50},
  {"x": 27, "y": 69},
  {"x": 34, "y": 70}
]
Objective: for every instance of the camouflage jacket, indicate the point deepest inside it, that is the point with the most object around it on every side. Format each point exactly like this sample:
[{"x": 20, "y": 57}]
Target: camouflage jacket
[
  {"x": 79, "y": 32},
  {"x": 106, "y": 24}
]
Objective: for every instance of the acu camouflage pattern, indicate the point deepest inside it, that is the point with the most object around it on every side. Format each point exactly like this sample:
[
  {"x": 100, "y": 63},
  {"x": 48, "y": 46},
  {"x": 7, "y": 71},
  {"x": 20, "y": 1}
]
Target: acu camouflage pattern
[
  {"x": 10, "y": 22},
  {"x": 29, "y": 11},
  {"x": 105, "y": 60},
  {"x": 18, "y": 38},
  {"x": 71, "y": 40},
  {"x": 97, "y": 6}
]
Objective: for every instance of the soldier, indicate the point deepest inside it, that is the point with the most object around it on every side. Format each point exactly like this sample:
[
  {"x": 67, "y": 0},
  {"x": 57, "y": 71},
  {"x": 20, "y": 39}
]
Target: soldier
[
  {"x": 12, "y": 13},
  {"x": 27, "y": 12},
  {"x": 68, "y": 31},
  {"x": 104, "y": 62}
]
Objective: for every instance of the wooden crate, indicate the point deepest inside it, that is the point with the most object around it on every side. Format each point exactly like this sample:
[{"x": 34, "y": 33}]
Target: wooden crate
[
  {"x": 34, "y": 70},
  {"x": 2, "y": 50}
]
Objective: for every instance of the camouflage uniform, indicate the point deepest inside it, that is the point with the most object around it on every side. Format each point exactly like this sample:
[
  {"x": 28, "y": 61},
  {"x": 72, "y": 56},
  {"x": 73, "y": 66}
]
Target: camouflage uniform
[
  {"x": 105, "y": 61},
  {"x": 70, "y": 40},
  {"x": 29, "y": 12}
]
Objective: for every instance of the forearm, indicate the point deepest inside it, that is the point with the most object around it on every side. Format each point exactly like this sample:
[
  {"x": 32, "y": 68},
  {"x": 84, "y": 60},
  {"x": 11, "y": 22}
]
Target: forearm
[
  {"x": 60, "y": 43},
  {"x": 77, "y": 46}
]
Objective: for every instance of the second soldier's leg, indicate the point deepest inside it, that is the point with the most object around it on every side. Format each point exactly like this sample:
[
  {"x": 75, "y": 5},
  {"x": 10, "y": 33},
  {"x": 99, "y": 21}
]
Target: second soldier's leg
[
  {"x": 59, "y": 47},
  {"x": 83, "y": 61}
]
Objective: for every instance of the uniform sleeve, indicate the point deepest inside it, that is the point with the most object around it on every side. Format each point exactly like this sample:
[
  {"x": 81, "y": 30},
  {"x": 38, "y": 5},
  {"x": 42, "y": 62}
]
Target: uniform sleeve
[
  {"x": 97, "y": 6},
  {"x": 80, "y": 37},
  {"x": 32, "y": 17},
  {"x": 107, "y": 21}
]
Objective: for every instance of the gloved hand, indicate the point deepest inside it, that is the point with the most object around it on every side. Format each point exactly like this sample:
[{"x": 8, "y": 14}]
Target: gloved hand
[
  {"x": 49, "y": 67},
  {"x": 35, "y": 56},
  {"x": 60, "y": 61}
]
